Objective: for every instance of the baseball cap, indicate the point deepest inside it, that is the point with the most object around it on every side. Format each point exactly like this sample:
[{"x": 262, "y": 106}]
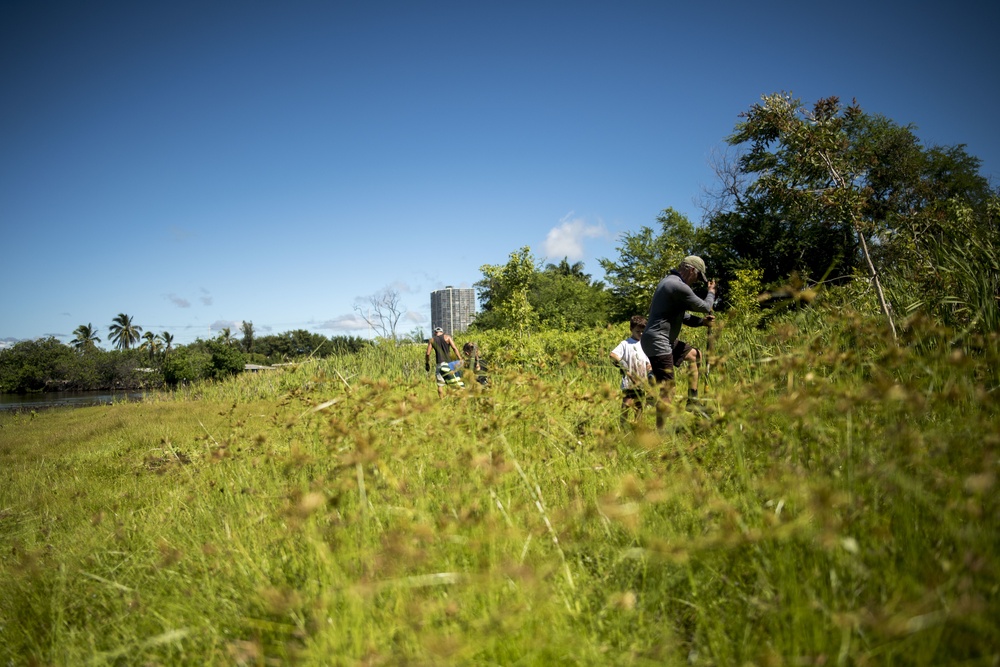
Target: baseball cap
[
  {"x": 438, "y": 330},
  {"x": 696, "y": 263}
]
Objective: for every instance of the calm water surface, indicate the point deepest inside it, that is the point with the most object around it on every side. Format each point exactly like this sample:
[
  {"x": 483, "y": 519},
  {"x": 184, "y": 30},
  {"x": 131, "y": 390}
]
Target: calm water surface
[{"x": 76, "y": 399}]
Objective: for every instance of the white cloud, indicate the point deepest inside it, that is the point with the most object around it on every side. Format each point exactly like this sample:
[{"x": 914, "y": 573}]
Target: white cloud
[
  {"x": 232, "y": 325},
  {"x": 566, "y": 240},
  {"x": 349, "y": 322}
]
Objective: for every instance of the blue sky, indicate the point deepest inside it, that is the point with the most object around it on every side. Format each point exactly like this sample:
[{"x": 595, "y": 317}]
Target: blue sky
[{"x": 195, "y": 165}]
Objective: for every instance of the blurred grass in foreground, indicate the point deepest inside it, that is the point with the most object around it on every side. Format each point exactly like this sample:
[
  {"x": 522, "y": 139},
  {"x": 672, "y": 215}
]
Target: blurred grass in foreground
[{"x": 840, "y": 508}]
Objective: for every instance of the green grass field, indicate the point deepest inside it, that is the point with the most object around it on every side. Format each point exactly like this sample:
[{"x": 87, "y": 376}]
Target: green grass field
[{"x": 839, "y": 508}]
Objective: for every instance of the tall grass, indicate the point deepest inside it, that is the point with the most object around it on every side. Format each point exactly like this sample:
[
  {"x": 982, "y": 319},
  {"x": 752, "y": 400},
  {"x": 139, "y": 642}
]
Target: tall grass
[{"x": 840, "y": 507}]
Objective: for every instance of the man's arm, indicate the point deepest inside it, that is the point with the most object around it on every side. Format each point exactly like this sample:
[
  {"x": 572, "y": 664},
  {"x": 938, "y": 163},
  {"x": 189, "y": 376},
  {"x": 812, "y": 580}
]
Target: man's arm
[{"x": 451, "y": 342}]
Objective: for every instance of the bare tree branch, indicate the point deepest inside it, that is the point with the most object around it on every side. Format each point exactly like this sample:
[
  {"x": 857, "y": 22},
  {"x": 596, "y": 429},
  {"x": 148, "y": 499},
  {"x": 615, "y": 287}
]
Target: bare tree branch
[
  {"x": 383, "y": 313},
  {"x": 730, "y": 182}
]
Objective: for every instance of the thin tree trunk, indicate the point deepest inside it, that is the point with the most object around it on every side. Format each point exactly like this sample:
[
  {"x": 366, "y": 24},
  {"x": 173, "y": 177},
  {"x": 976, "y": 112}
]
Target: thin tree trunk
[
  {"x": 864, "y": 246},
  {"x": 878, "y": 283}
]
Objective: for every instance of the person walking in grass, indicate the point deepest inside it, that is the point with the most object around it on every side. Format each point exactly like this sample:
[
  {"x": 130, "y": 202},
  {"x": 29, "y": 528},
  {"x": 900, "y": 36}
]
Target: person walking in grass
[
  {"x": 634, "y": 366},
  {"x": 472, "y": 362},
  {"x": 661, "y": 341},
  {"x": 445, "y": 367}
]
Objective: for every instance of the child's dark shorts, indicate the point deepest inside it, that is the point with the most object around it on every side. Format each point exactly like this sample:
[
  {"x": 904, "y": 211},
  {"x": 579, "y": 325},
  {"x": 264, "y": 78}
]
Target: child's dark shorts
[{"x": 633, "y": 394}]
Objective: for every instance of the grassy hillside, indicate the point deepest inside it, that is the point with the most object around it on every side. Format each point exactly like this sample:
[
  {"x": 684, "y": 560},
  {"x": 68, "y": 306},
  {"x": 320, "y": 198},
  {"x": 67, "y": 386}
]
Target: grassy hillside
[{"x": 839, "y": 508}]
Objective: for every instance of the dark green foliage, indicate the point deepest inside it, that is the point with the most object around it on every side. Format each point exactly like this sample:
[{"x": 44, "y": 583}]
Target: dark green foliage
[
  {"x": 35, "y": 365},
  {"x": 48, "y": 365},
  {"x": 644, "y": 258},
  {"x": 517, "y": 295},
  {"x": 226, "y": 359},
  {"x": 567, "y": 299},
  {"x": 188, "y": 363},
  {"x": 814, "y": 187},
  {"x": 300, "y": 344},
  {"x": 247, "y": 342}
]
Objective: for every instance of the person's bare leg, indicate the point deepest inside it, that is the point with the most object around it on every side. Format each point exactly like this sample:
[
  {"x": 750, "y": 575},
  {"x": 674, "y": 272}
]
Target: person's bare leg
[
  {"x": 665, "y": 392},
  {"x": 694, "y": 362}
]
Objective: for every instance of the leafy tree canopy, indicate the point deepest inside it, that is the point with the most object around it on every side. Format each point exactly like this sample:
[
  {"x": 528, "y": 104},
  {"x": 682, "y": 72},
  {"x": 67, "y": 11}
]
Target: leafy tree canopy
[
  {"x": 813, "y": 187},
  {"x": 521, "y": 297},
  {"x": 503, "y": 293},
  {"x": 644, "y": 258}
]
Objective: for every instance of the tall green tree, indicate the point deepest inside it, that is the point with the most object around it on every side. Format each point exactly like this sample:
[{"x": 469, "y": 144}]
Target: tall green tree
[
  {"x": 644, "y": 258},
  {"x": 124, "y": 334},
  {"x": 520, "y": 297},
  {"x": 226, "y": 337},
  {"x": 297, "y": 344},
  {"x": 151, "y": 344},
  {"x": 248, "y": 336},
  {"x": 167, "y": 339},
  {"x": 85, "y": 338},
  {"x": 829, "y": 190},
  {"x": 566, "y": 298},
  {"x": 503, "y": 293}
]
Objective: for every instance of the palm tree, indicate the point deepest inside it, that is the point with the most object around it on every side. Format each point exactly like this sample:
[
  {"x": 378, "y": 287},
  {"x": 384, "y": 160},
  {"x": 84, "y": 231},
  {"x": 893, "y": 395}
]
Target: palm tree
[
  {"x": 151, "y": 343},
  {"x": 86, "y": 337},
  {"x": 167, "y": 339},
  {"x": 124, "y": 334},
  {"x": 226, "y": 337},
  {"x": 564, "y": 268}
]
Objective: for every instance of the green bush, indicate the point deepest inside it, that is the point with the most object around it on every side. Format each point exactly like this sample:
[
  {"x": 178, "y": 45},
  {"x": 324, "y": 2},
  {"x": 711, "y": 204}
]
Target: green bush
[
  {"x": 187, "y": 364},
  {"x": 226, "y": 360}
]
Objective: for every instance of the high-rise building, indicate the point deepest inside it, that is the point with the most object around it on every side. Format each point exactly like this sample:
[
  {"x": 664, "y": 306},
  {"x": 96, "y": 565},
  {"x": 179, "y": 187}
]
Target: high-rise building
[{"x": 453, "y": 309}]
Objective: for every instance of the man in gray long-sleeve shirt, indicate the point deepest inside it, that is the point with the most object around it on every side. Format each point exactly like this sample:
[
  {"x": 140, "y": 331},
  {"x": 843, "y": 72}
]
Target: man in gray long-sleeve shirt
[{"x": 667, "y": 314}]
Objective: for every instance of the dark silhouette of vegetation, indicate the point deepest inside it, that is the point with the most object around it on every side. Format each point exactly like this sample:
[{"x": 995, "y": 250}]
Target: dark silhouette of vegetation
[{"x": 49, "y": 365}]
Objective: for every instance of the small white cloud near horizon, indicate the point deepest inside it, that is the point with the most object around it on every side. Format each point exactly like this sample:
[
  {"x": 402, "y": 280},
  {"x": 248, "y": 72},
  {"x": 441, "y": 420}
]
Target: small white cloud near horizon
[
  {"x": 349, "y": 322},
  {"x": 566, "y": 240},
  {"x": 232, "y": 325}
]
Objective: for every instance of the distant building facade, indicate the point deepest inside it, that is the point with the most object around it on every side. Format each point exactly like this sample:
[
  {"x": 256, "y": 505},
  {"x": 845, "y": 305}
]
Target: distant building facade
[{"x": 453, "y": 309}]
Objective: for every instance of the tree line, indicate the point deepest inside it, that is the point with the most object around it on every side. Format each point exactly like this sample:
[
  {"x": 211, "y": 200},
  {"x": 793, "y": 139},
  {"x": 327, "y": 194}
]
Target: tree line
[
  {"x": 49, "y": 365},
  {"x": 805, "y": 198}
]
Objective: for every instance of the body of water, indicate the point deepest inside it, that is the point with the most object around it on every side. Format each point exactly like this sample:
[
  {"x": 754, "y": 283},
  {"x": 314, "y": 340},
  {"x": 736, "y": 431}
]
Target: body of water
[{"x": 55, "y": 399}]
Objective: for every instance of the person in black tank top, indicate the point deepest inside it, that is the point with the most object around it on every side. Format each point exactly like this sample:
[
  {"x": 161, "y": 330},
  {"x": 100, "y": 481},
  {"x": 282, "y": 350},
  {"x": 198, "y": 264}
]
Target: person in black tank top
[{"x": 445, "y": 367}]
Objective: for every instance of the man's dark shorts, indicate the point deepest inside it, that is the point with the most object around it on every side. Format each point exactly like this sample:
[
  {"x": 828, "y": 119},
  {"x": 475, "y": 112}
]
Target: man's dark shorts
[{"x": 663, "y": 365}]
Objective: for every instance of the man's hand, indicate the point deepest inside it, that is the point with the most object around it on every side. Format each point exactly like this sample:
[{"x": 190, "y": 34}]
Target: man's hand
[{"x": 711, "y": 286}]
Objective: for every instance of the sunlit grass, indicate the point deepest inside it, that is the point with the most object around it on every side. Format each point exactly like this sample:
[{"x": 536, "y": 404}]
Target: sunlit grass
[{"x": 840, "y": 507}]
